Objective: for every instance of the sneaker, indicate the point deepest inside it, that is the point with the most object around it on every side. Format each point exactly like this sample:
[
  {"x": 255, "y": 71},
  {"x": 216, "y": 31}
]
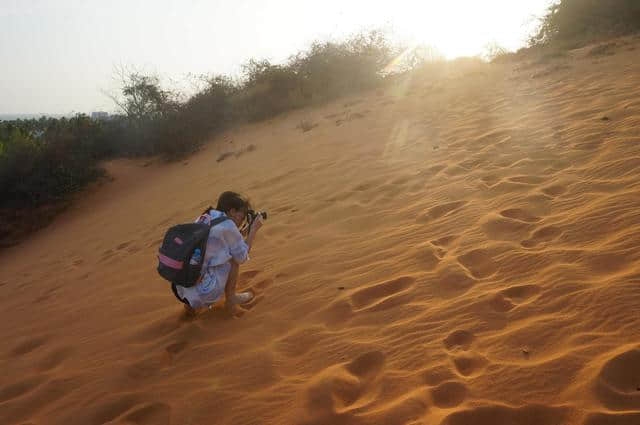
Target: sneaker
[{"x": 243, "y": 297}]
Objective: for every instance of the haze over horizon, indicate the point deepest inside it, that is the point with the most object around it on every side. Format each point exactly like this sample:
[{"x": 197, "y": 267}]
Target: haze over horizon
[{"x": 60, "y": 56}]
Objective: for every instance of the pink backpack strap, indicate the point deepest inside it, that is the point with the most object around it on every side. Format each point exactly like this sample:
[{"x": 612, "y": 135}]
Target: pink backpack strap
[{"x": 204, "y": 218}]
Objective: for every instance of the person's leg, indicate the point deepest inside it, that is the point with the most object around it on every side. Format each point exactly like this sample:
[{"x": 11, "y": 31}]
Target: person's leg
[
  {"x": 231, "y": 298},
  {"x": 230, "y": 287},
  {"x": 189, "y": 311}
]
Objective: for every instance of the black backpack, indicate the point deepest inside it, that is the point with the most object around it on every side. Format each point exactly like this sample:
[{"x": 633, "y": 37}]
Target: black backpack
[{"x": 178, "y": 246}]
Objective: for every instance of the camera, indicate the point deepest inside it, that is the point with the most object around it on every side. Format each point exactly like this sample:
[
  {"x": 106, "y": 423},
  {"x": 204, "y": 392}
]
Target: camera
[{"x": 252, "y": 215}]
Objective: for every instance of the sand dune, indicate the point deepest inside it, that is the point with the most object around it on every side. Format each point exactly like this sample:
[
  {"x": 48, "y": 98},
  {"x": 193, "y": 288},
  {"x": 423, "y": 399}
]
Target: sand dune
[{"x": 458, "y": 249}]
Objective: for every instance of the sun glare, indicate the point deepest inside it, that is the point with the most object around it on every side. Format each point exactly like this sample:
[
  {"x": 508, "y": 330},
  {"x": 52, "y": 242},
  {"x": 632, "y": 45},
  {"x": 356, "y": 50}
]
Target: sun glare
[{"x": 459, "y": 31}]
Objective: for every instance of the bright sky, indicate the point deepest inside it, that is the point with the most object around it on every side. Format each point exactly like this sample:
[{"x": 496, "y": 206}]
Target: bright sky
[{"x": 58, "y": 56}]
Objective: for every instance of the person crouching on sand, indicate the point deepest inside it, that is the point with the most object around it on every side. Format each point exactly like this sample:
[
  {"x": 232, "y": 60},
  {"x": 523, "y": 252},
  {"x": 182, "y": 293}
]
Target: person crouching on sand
[{"x": 226, "y": 250}]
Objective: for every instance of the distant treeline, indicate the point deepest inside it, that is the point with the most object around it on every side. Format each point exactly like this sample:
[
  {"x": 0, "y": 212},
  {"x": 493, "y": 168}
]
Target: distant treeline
[
  {"x": 580, "y": 21},
  {"x": 43, "y": 160}
]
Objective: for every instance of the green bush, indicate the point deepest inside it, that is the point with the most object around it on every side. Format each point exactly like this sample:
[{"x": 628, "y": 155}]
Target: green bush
[
  {"x": 45, "y": 160},
  {"x": 585, "y": 20}
]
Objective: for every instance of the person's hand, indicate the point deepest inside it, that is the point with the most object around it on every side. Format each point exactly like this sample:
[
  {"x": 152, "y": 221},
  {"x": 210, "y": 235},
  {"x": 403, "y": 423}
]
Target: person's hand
[{"x": 257, "y": 223}]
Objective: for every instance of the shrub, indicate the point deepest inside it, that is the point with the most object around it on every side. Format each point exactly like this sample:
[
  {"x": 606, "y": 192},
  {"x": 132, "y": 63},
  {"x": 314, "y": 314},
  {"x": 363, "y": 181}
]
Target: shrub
[
  {"x": 584, "y": 20},
  {"x": 268, "y": 90},
  {"x": 496, "y": 53},
  {"x": 306, "y": 125},
  {"x": 45, "y": 160}
]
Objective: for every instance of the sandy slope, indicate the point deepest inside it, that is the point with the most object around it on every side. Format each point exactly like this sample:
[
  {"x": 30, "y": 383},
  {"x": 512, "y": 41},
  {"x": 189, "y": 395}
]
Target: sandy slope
[{"x": 457, "y": 251}]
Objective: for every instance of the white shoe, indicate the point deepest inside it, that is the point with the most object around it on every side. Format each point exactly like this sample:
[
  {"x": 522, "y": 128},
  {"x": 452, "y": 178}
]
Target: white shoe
[{"x": 243, "y": 297}]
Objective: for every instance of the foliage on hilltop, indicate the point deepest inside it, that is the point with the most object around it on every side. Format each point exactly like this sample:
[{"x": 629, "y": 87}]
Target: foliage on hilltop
[{"x": 582, "y": 21}]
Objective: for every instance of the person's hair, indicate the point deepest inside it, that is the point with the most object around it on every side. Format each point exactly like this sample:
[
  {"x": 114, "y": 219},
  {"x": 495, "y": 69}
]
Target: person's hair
[{"x": 232, "y": 200}]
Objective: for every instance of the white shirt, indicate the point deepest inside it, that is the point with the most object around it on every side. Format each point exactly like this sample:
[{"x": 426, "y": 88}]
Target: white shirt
[{"x": 224, "y": 243}]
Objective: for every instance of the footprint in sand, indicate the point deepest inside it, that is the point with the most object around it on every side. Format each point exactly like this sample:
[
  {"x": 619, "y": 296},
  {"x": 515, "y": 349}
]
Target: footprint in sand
[
  {"x": 337, "y": 388},
  {"x": 176, "y": 347},
  {"x": 108, "y": 254},
  {"x": 28, "y": 346},
  {"x": 433, "y": 170},
  {"x": 469, "y": 364},
  {"x": 437, "y": 375},
  {"x": 123, "y": 245},
  {"x": 449, "y": 394},
  {"x": 366, "y": 186},
  {"x": 337, "y": 314},
  {"x": 459, "y": 339},
  {"x": 542, "y": 235},
  {"x": 501, "y": 228},
  {"x": 452, "y": 281},
  {"x": 416, "y": 187},
  {"x": 249, "y": 274},
  {"x": 490, "y": 180},
  {"x": 441, "y": 211},
  {"x": 54, "y": 358},
  {"x": 519, "y": 214},
  {"x": 587, "y": 146},
  {"x": 154, "y": 243},
  {"x": 618, "y": 383},
  {"x": 20, "y": 388},
  {"x": 455, "y": 170},
  {"x": 49, "y": 391},
  {"x": 510, "y": 298},
  {"x": 402, "y": 180},
  {"x": 427, "y": 256},
  {"x": 367, "y": 365},
  {"x": 301, "y": 341},
  {"x": 554, "y": 190},
  {"x": 503, "y": 415},
  {"x": 382, "y": 295},
  {"x": 283, "y": 209},
  {"x": 151, "y": 365},
  {"x": 445, "y": 241},
  {"x": 471, "y": 164},
  {"x": 501, "y": 304},
  {"x": 47, "y": 295},
  {"x": 530, "y": 180},
  {"x": 521, "y": 293},
  {"x": 158, "y": 329},
  {"x": 479, "y": 262},
  {"x": 262, "y": 284},
  {"x": 281, "y": 275}
]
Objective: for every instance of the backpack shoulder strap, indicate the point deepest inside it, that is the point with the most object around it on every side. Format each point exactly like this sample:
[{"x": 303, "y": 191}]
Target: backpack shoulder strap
[{"x": 218, "y": 220}]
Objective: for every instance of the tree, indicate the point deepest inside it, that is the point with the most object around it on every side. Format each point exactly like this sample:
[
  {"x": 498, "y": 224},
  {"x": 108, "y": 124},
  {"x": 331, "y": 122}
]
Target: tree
[{"x": 143, "y": 98}]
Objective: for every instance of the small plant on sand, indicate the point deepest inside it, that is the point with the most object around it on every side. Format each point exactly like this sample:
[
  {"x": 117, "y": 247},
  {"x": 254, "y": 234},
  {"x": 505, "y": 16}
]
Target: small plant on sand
[
  {"x": 493, "y": 52},
  {"x": 306, "y": 125},
  {"x": 224, "y": 156}
]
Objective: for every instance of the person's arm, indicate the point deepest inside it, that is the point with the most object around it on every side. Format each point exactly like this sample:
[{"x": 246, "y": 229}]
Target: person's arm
[
  {"x": 255, "y": 226},
  {"x": 230, "y": 287}
]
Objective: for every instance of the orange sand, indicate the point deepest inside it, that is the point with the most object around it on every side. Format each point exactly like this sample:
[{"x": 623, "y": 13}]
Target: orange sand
[{"x": 455, "y": 249}]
